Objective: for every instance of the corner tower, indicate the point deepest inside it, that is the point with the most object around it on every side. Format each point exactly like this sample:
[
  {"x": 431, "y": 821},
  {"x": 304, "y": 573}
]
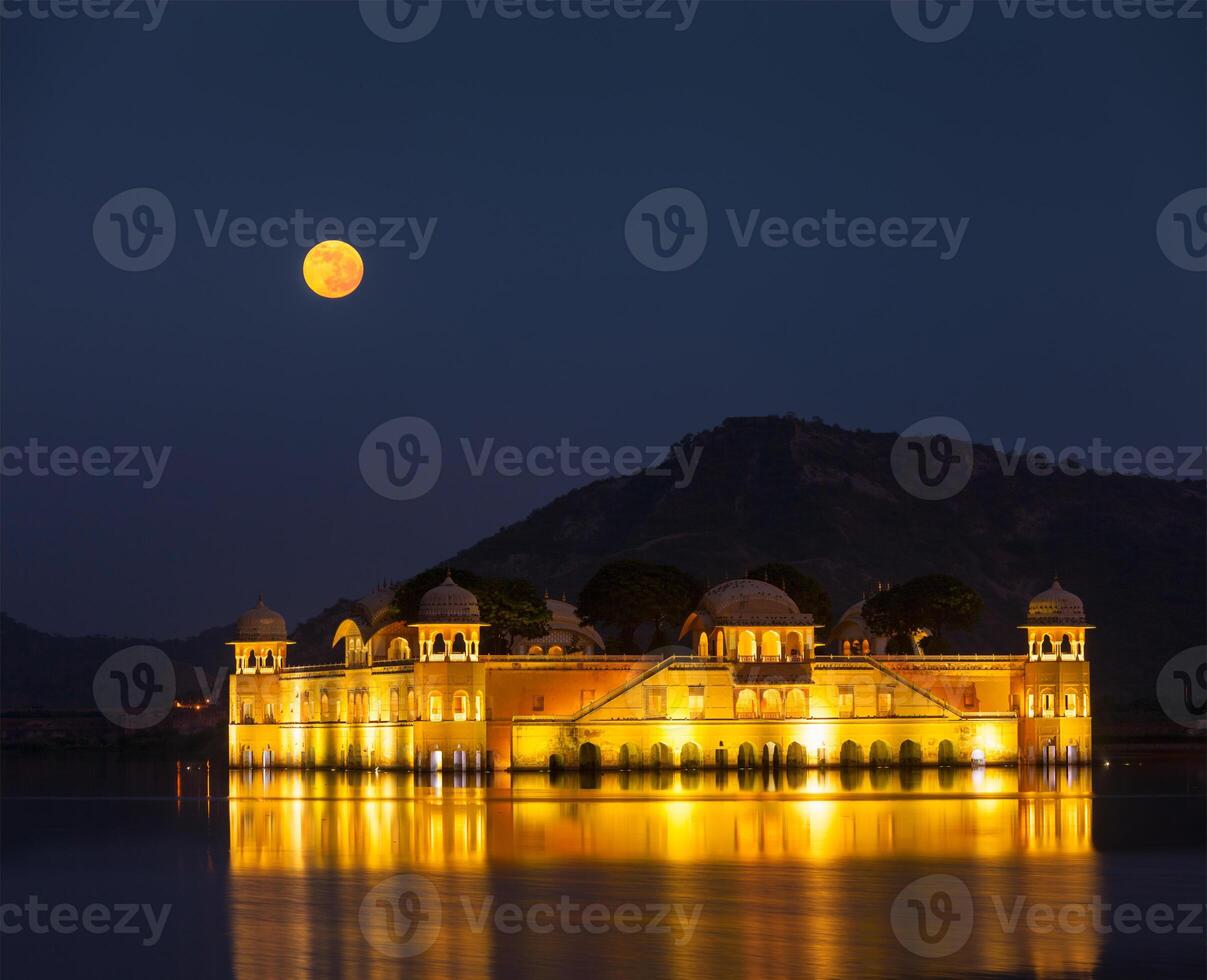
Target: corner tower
[{"x": 1056, "y": 681}]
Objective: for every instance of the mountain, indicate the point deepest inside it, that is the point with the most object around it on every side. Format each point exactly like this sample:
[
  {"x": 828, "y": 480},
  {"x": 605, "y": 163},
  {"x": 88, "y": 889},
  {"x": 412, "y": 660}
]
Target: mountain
[{"x": 825, "y": 500}]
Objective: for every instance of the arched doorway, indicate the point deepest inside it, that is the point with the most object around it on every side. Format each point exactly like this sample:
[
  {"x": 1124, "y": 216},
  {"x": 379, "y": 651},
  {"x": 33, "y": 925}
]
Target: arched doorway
[
  {"x": 772, "y": 758},
  {"x": 556, "y": 763},
  {"x": 589, "y": 756},
  {"x": 796, "y": 756},
  {"x": 660, "y": 756},
  {"x": 910, "y": 753},
  {"x": 880, "y": 755},
  {"x": 746, "y": 756},
  {"x": 630, "y": 757},
  {"x": 947, "y": 753},
  {"x": 689, "y": 756},
  {"x": 850, "y": 754}
]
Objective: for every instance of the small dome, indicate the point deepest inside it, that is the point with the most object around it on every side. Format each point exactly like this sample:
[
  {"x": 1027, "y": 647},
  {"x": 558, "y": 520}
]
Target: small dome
[
  {"x": 747, "y": 597},
  {"x": 1056, "y": 606},
  {"x": 449, "y": 603},
  {"x": 260, "y": 623}
]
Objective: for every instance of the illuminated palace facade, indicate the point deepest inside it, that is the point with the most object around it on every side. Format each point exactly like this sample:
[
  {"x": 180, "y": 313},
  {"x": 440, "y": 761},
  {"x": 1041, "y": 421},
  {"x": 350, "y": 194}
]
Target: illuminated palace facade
[{"x": 749, "y": 686}]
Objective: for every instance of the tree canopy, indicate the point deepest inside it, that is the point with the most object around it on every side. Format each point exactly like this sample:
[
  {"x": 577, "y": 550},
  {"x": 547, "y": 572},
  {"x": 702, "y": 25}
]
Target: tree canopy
[
  {"x": 512, "y": 606},
  {"x": 933, "y": 603},
  {"x": 623, "y": 595},
  {"x": 806, "y": 592}
]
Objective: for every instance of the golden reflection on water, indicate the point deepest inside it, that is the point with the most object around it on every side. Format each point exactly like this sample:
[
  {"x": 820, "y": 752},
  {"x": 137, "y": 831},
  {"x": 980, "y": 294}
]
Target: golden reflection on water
[{"x": 795, "y": 875}]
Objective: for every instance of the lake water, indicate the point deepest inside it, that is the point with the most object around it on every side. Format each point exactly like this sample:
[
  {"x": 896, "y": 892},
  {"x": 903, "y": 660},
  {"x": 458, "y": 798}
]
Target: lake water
[{"x": 816, "y": 874}]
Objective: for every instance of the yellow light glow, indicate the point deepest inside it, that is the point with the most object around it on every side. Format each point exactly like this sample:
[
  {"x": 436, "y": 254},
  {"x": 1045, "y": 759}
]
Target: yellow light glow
[{"x": 333, "y": 269}]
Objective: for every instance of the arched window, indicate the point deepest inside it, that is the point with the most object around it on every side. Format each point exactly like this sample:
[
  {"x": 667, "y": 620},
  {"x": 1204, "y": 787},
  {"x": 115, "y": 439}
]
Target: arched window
[
  {"x": 702, "y": 646},
  {"x": 794, "y": 647},
  {"x": 1047, "y": 704},
  {"x": 846, "y": 648},
  {"x": 251, "y": 660},
  {"x": 1070, "y": 703},
  {"x": 393, "y": 704},
  {"x": 478, "y": 706},
  {"x": 435, "y": 707},
  {"x": 747, "y": 706},
  {"x": 269, "y": 661},
  {"x": 438, "y": 644},
  {"x": 773, "y": 704},
  {"x": 866, "y": 647},
  {"x": 410, "y": 704},
  {"x": 1066, "y": 644},
  {"x": 305, "y": 706},
  {"x": 746, "y": 646},
  {"x": 324, "y": 706},
  {"x": 720, "y": 645},
  {"x": 460, "y": 706},
  {"x": 1030, "y": 704},
  {"x": 771, "y": 646},
  {"x": 556, "y": 651},
  {"x": 459, "y": 644},
  {"x": 796, "y": 706},
  {"x": 1046, "y": 646},
  {"x": 534, "y": 651}
]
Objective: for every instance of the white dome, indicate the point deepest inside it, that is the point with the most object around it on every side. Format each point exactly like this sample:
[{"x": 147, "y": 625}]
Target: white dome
[
  {"x": 746, "y": 597},
  {"x": 260, "y": 623},
  {"x": 1056, "y": 606},
  {"x": 449, "y": 603}
]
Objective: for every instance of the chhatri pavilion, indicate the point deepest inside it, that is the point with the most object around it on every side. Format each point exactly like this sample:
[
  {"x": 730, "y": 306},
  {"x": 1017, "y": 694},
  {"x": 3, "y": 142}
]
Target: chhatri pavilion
[{"x": 748, "y": 686}]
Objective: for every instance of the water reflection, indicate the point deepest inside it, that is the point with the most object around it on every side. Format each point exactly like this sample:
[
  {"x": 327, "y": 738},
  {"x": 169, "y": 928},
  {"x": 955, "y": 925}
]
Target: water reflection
[{"x": 794, "y": 871}]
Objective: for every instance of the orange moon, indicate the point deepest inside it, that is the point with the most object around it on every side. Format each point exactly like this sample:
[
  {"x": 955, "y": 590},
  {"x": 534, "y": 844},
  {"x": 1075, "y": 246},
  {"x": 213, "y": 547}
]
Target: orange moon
[{"x": 333, "y": 269}]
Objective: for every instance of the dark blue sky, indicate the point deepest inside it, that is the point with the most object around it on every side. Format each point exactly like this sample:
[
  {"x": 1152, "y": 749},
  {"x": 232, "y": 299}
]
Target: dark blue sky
[{"x": 1059, "y": 320}]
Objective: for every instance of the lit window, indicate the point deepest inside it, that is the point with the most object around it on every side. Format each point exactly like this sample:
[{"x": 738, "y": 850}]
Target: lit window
[
  {"x": 655, "y": 702},
  {"x": 1030, "y": 704},
  {"x": 695, "y": 702},
  {"x": 846, "y": 702},
  {"x": 884, "y": 703},
  {"x": 460, "y": 706},
  {"x": 435, "y": 707}
]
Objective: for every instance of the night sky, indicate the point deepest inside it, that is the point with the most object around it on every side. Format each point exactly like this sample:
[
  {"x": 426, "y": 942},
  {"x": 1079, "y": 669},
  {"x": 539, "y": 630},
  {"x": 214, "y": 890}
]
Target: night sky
[{"x": 527, "y": 319}]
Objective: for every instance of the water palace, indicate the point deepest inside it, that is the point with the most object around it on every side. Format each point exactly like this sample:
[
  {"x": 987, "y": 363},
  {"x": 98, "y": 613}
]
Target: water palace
[{"x": 748, "y": 687}]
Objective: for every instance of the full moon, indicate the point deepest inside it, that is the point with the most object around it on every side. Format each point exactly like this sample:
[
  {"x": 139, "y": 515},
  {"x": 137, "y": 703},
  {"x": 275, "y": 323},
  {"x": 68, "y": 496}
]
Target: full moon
[{"x": 333, "y": 269}]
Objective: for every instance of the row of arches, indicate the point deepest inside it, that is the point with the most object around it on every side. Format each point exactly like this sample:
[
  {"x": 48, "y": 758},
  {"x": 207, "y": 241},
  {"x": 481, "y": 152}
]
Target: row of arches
[
  {"x": 772, "y": 704},
  {"x": 751, "y": 647},
  {"x": 630, "y": 757},
  {"x": 1045, "y": 647}
]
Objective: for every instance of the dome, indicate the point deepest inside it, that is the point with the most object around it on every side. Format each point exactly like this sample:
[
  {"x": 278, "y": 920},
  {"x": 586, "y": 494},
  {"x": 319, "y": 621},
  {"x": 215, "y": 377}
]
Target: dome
[
  {"x": 566, "y": 624},
  {"x": 260, "y": 623},
  {"x": 740, "y": 599},
  {"x": 377, "y": 604},
  {"x": 448, "y": 603},
  {"x": 1056, "y": 606}
]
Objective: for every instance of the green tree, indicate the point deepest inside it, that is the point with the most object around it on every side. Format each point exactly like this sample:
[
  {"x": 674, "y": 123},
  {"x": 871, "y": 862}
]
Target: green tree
[
  {"x": 513, "y": 607},
  {"x": 623, "y": 595},
  {"x": 806, "y": 592},
  {"x": 934, "y": 603}
]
